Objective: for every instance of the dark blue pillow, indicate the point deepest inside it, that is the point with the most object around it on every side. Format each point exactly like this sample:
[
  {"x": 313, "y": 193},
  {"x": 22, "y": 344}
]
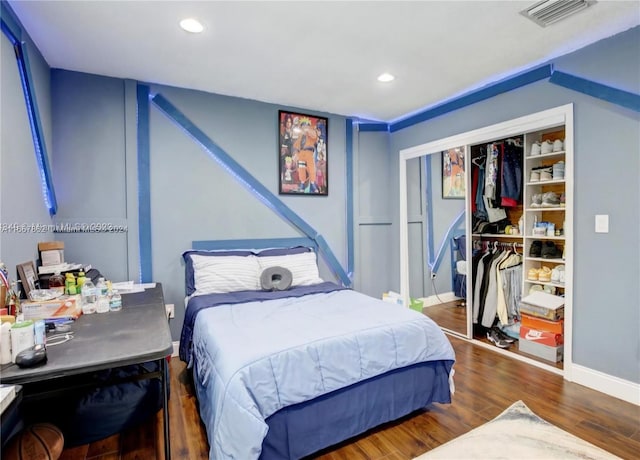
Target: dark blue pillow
[
  {"x": 189, "y": 282},
  {"x": 283, "y": 251}
]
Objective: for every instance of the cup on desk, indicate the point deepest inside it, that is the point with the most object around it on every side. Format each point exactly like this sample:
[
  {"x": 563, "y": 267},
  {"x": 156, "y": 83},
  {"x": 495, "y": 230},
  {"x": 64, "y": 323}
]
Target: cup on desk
[{"x": 22, "y": 337}]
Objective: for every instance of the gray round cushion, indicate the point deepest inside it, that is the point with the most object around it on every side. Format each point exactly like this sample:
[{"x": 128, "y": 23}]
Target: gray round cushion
[{"x": 276, "y": 279}]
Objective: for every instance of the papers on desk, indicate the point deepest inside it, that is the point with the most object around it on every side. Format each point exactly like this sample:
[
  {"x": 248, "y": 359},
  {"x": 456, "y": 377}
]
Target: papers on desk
[
  {"x": 129, "y": 287},
  {"x": 7, "y": 394},
  {"x": 63, "y": 267}
]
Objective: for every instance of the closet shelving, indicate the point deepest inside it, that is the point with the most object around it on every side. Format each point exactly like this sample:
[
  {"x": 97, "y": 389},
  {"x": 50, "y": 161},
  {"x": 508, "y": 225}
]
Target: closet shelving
[{"x": 555, "y": 215}]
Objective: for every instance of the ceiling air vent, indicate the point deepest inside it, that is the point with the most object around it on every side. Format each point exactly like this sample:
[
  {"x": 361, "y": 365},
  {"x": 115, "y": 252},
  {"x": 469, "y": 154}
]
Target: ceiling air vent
[{"x": 549, "y": 11}]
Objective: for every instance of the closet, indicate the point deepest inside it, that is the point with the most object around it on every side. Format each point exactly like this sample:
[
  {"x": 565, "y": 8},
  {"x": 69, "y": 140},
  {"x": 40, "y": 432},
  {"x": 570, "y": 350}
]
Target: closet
[
  {"x": 518, "y": 218},
  {"x": 519, "y": 227}
]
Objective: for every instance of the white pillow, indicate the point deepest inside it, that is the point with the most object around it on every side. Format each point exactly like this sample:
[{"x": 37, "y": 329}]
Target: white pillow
[
  {"x": 219, "y": 275},
  {"x": 303, "y": 267}
]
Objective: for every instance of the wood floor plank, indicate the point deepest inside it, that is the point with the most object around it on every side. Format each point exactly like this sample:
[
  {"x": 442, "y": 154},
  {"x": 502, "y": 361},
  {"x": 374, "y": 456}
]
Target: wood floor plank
[
  {"x": 105, "y": 446},
  {"x": 75, "y": 453},
  {"x": 140, "y": 443}
]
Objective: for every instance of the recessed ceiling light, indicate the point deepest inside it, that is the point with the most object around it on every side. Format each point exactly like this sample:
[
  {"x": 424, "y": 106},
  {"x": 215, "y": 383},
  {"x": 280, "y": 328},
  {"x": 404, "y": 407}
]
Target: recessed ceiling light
[
  {"x": 386, "y": 78},
  {"x": 191, "y": 25}
]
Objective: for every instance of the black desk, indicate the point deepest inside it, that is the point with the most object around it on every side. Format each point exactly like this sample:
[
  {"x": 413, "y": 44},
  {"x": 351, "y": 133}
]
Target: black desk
[{"x": 138, "y": 333}]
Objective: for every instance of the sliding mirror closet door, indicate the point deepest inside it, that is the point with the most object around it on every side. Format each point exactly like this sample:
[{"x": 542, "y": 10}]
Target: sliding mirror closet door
[{"x": 436, "y": 236}]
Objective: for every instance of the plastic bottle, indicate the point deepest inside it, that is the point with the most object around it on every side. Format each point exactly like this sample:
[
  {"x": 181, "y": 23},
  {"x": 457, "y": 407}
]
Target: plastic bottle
[
  {"x": 115, "y": 301},
  {"x": 56, "y": 283},
  {"x": 88, "y": 297},
  {"x": 102, "y": 287},
  {"x": 70, "y": 284},
  {"x": 80, "y": 281},
  {"x": 103, "y": 299}
]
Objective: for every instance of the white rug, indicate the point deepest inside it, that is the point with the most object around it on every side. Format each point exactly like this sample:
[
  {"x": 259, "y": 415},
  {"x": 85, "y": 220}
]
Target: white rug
[{"x": 517, "y": 433}]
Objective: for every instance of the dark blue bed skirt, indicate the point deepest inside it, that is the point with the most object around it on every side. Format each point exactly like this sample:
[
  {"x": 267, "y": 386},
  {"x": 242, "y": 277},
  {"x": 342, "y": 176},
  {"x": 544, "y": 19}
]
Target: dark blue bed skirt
[{"x": 302, "y": 429}]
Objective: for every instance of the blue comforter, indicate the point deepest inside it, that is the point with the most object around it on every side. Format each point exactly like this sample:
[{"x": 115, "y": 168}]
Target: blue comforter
[{"x": 256, "y": 357}]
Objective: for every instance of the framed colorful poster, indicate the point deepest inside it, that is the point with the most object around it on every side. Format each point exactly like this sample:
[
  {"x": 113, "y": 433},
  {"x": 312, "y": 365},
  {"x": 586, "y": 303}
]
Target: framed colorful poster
[
  {"x": 303, "y": 154},
  {"x": 453, "y": 173}
]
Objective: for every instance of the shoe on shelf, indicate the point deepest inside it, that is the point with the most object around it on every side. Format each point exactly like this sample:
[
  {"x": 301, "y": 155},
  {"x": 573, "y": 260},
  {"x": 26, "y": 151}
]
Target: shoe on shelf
[
  {"x": 558, "y": 145},
  {"x": 536, "y": 249},
  {"x": 535, "y": 176},
  {"x": 558, "y": 170},
  {"x": 533, "y": 274},
  {"x": 535, "y": 288},
  {"x": 550, "y": 250},
  {"x": 557, "y": 274},
  {"x": 544, "y": 274},
  {"x": 535, "y": 149},
  {"x": 563, "y": 199},
  {"x": 546, "y": 147},
  {"x": 550, "y": 199},
  {"x": 536, "y": 200},
  {"x": 493, "y": 337},
  {"x": 546, "y": 173}
]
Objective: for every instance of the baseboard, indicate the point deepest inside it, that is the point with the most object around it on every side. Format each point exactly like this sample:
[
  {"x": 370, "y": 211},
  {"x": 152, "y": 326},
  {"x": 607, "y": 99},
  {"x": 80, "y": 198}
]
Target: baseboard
[
  {"x": 176, "y": 347},
  {"x": 607, "y": 384},
  {"x": 444, "y": 297}
]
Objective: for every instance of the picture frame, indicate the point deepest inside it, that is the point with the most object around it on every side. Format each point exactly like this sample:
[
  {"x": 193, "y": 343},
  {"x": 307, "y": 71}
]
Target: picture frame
[
  {"x": 453, "y": 170},
  {"x": 303, "y": 150},
  {"x": 28, "y": 277}
]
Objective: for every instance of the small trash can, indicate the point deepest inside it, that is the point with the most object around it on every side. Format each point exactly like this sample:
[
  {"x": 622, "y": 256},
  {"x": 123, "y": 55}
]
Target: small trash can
[{"x": 417, "y": 304}]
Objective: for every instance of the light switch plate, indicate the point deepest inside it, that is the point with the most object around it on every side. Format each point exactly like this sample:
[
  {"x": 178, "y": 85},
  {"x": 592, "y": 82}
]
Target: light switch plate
[{"x": 602, "y": 223}]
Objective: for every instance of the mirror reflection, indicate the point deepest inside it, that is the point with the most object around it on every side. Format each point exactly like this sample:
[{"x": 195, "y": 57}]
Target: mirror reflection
[{"x": 436, "y": 191}]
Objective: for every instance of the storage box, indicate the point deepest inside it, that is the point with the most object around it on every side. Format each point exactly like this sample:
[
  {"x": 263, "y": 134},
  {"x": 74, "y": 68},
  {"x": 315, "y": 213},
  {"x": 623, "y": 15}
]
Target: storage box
[
  {"x": 65, "y": 306},
  {"x": 553, "y": 354},
  {"x": 543, "y": 305},
  {"x": 51, "y": 253},
  {"x": 541, "y": 324},
  {"x": 544, "y": 337}
]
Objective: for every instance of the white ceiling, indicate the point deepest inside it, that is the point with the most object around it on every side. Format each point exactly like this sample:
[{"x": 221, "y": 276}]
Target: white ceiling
[{"x": 314, "y": 55}]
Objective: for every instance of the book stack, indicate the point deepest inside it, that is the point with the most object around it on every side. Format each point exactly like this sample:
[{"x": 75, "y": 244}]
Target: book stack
[{"x": 542, "y": 326}]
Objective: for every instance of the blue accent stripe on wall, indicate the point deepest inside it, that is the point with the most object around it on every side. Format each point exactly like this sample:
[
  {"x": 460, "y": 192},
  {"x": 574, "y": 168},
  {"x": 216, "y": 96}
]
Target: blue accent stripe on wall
[
  {"x": 144, "y": 185},
  {"x": 245, "y": 178},
  {"x": 597, "y": 90},
  {"x": 429, "y": 227},
  {"x": 350, "y": 242},
  {"x": 372, "y": 127},
  {"x": 482, "y": 94},
  {"x": 446, "y": 241},
  {"x": 13, "y": 33},
  {"x": 10, "y": 25}
]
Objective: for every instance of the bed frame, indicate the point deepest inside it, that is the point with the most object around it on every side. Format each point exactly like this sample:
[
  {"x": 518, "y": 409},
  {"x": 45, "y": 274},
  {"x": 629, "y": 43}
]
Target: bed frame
[{"x": 302, "y": 429}]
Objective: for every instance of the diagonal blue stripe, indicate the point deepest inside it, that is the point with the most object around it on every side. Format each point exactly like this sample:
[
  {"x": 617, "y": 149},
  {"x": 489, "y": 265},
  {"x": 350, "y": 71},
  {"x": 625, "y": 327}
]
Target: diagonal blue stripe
[{"x": 597, "y": 90}]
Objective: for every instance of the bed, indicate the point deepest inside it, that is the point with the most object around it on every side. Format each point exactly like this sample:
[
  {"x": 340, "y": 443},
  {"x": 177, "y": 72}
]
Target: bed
[{"x": 282, "y": 371}]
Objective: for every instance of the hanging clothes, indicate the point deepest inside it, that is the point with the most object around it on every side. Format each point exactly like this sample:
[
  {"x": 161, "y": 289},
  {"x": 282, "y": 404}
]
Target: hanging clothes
[
  {"x": 511, "y": 179},
  {"x": 491, "y": 172},
  {"x": 497, "y": 286}
]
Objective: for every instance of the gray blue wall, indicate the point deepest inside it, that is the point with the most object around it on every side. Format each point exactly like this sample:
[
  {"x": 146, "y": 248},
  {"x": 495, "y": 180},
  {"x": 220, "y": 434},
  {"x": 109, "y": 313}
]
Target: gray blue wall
[{"x": 607, "y": 167}]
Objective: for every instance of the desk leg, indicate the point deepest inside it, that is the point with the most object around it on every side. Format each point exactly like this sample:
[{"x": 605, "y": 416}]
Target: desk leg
[{"x": 165, "y": 408}]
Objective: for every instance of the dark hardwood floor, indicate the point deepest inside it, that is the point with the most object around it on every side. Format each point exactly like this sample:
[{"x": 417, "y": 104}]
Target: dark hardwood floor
[{"x": 486, "y": 384}]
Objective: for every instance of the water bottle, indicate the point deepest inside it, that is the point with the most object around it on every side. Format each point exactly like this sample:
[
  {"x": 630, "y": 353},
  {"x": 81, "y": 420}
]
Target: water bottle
[
  {"x": 103, "y": 299},
  {"x": 115, "y": 301},
  {"x": 88, "y": 297}
]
